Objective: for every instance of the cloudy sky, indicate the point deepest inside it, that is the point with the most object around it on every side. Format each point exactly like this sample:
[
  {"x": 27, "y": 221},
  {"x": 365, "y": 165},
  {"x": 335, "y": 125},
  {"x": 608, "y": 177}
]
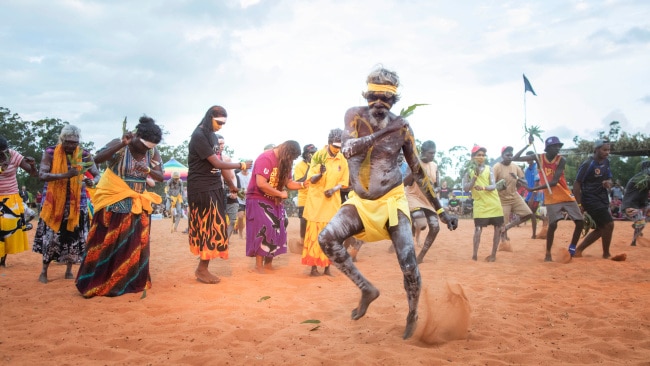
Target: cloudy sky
[{"x": 290, "y": 69}]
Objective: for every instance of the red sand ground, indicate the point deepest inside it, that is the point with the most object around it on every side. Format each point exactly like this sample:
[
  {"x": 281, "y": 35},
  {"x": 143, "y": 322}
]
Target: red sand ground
[{"x": 518, "y": 310}]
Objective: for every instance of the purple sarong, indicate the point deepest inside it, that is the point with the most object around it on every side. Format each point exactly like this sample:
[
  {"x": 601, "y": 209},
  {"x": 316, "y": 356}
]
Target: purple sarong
[{"x": 266, "y": 228}]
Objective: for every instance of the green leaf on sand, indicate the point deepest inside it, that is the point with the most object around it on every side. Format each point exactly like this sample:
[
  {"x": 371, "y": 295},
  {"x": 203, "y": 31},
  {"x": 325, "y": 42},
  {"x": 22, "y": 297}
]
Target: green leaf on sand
[
  {"x": 263, "y": 298},
  {"x": 311, "y": 321}
]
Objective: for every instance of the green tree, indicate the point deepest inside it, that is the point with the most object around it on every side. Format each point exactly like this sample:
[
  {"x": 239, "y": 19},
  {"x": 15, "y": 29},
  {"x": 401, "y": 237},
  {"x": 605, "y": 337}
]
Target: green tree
[
  {"x": 30, "y": 139},
  {"x": 628, "y": 151}
]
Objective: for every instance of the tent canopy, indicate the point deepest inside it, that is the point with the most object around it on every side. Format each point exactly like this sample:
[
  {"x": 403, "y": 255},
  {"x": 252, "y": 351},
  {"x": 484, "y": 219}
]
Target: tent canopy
[{"x": 174, "y": 166}]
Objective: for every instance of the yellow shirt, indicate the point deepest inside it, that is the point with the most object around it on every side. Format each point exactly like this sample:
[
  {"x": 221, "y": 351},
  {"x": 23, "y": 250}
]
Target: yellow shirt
[
  {"x": 319, "y": 208},
  {"x": 299, "y": 172},
  {"x": 486, "y": 203}
]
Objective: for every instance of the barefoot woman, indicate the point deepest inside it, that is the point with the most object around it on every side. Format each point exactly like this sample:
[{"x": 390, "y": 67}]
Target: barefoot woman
[{"x": 205, "y": 194}]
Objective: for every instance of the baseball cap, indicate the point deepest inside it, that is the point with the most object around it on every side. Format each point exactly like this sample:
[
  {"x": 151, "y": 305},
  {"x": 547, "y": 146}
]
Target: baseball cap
[
  {"x": 553, "y": 140},
  {"x": 600, "y": 143},
  {"x": 309, "y": 148},
  {"x": 477, "y": 148},
  {"x": 506, "y": 148}
]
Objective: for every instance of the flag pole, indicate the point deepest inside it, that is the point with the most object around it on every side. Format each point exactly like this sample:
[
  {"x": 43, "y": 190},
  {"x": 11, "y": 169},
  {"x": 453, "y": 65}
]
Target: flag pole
[{"x": 539, "y": 165}]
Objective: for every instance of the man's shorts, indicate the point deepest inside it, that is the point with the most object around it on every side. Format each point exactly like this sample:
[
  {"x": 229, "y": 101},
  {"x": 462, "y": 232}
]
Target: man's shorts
[
  {"x": 601, "y": 216},
  {"x": 554, "y": 211},
  {"x": 485, "y": 221}
]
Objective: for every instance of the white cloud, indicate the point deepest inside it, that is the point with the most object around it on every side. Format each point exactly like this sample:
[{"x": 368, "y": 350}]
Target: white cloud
[{"x": 290, "y": 69}]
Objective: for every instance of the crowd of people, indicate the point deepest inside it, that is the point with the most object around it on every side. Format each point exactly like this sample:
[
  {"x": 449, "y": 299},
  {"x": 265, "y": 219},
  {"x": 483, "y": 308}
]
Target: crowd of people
[{"x": 368, "y": 183}]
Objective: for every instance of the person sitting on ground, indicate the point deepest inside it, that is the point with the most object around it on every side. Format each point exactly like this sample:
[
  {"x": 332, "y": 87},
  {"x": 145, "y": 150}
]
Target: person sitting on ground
[{"x": 454, "y": 204}]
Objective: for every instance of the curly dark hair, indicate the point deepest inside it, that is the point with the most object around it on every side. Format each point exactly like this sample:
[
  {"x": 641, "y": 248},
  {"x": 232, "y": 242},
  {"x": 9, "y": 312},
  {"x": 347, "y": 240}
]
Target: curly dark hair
[
  {"x": 148, "y": 130},
  {"x": 3, "y": 143},
  {"x": 288, "y": 151}
]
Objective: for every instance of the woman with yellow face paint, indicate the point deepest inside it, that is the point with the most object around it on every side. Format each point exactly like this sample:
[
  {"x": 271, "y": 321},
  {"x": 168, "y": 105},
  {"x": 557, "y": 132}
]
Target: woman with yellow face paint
[{"x": 479, "y": 178}]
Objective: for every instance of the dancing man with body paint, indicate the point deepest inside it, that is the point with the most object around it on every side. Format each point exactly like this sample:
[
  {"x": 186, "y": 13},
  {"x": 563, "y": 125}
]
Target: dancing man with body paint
[{"x": 377, "y": 208}]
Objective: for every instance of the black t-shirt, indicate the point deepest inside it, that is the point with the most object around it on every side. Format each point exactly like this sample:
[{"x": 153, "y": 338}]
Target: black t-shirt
[
  {"x": 201, "y": 175},
  {"x": 444, "y": 192},
  {"x": 454, "y": 202},
  {"x": 591, "y": 175}
]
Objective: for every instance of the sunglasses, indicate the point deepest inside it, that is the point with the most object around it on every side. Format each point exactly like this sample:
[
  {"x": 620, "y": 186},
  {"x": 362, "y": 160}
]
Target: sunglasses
[{"x": 219, "y": 121}]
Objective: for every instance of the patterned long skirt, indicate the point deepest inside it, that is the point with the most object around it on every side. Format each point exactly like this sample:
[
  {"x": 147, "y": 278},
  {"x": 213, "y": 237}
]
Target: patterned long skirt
[
  {"x": 266, "y": 228},
  {"x": 117, "y": 260},
  {"x": 207, "y": 224},
  {"x": 63, "y": 245}
]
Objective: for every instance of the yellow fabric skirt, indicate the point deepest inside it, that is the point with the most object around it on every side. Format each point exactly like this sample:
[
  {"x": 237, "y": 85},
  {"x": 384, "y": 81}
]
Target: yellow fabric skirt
[
  {"x": 312, "y": 254},
  {"x": 15, "y": 238},
  {"x": 377, "y": 215}
]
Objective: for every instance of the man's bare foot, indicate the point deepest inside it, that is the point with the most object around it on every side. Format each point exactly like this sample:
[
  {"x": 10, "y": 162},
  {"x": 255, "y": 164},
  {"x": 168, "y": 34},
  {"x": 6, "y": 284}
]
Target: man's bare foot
[
  {"x": 474, "y": 257},
  {"x": 548, "y": 258},
  {"x": 327, "y": 272},
  {"x": 578, "y": 254},
  {"x": 490, "y": 258},
  {"x": 419, "y": 259},
  {"x": 260, "y": 269},
  {"x": 206, "y": 277},
  {"x": 268, "y": 267},
  {"x": 605, "y": 255},
  {"x": 69, "y": 276},
  {"x": 42, "y": 278},
  {"x": 3, "y": 260},
  {"x": 314, "y": 272},
  {"x": 411, "y": 322},
  {"x": 367, "y": 296}
]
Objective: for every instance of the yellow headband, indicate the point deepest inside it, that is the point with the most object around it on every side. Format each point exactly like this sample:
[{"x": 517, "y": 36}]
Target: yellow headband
[{"x": 382, "y": 88}]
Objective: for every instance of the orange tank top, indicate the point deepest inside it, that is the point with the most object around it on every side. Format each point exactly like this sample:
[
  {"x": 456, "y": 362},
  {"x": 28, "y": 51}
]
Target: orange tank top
[{"x": 561, "y": 192}]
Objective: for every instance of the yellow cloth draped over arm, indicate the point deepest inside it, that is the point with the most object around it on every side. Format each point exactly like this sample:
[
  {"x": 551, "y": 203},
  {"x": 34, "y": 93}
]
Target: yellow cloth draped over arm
[
  {"x": 112, "y": 189},
  {"x": 54, "y": 200}
]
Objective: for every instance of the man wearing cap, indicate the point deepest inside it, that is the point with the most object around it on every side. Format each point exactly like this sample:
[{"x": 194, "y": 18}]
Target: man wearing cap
[
  {"x": 560, "y": 198},
  {"x": 511, "y": 200},
  {"x": 487, "y": 205},
  {"x": 327, "y": 175},
  {"x": 591, "y": 191},
  {"x": 635, "y": 200},
  {"x": 300, "y": 175},
  {"x": 377, "y": 208}
]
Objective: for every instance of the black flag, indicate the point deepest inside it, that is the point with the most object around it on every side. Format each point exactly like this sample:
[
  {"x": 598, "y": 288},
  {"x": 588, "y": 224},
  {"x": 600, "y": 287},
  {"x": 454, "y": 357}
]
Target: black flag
[{"x": 527, "y": 86}]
